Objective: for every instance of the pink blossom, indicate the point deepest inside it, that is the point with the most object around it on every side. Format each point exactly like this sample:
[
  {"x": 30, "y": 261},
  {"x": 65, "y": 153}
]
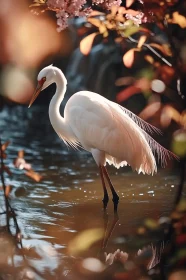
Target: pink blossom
[
  {"x": 107, "y": 4},
  {"x": 66, "y": 9},
  {"x": 138, "y": 19}
]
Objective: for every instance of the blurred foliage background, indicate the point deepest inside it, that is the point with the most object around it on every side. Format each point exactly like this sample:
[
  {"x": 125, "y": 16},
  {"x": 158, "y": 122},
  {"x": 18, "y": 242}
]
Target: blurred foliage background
[{"x": 135, "y": 55}]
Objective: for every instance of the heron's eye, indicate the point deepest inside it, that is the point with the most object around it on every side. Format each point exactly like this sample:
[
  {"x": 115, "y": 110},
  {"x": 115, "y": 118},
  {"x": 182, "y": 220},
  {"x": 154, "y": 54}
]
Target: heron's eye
[{"x": 41, "y": 82}]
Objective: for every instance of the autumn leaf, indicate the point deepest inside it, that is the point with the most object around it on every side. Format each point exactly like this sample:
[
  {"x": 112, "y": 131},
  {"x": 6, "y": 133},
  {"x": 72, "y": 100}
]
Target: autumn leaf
[
  {"x": 32, "y": 174},
  {"x": 5, "y": 145},
  {"x": 129, "y": 31},
  {"x": 149, "y": 59},
  {"x": 163, "y": 48},
  {"x": 8, "y": 189},
  {"x": 38, "y": 7},
  {"x": 118, "y": 40},
  {"x": 6, "y": 169},
  {"x": 128, "y": 57},
  {"x": 126, "y": 93},
  {"x": 120, "y": 18},
  {"x": 178, "y": 19},
  {"x": 124, "y": 81},
  {"x": 4, "y": 155},
  {"x": 114, "y": 10},
  {"x": 143, "y": 83},
  {"x": 3, "y": 148},
  {"x": 129, "y": 3},
  {"x": 103, "y": 30},
  {"x": 121, "y": 10},
  {"x": 183, "y": 118},
  {"x": 94, "y": 21},
  {"x": 96, "y": 13},
  {"x": 21, "y": 163},
  {"x": 150, "y": 110},
  {"x": 86, "y": 43},
  {"x": 151, "y": 224},
  {"x": 168, "y": 114},
  {"x": 84, "y": 240},
  {"x": 21, "y": 154},
  {"x": 141, "y": 41},
  {"x": 131, "y": 12}
]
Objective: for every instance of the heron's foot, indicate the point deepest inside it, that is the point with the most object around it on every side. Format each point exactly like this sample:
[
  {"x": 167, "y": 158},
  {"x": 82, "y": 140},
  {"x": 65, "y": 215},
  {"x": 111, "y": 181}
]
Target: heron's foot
[
  {"x": 105, "y": 201},
  {"x": 115, "y": 200}
]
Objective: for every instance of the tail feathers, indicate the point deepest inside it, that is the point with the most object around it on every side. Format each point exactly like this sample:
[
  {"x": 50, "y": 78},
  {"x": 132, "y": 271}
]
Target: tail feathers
[
  {"x": 116, "y": 162},
  {"x": 146, "y": 167}
]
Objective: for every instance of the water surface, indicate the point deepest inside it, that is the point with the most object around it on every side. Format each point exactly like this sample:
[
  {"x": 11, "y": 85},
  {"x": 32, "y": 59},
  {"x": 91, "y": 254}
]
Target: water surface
[{"x": 67, "y": 201}]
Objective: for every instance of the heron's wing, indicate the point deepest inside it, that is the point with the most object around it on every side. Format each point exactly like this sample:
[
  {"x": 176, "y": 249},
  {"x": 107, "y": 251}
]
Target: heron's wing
[
  {"x": 75, "y": 144},
  {"x": 141, "y": 123},
  {"x": 99, "y": 124},
  {"x": 162, "y": 153}
]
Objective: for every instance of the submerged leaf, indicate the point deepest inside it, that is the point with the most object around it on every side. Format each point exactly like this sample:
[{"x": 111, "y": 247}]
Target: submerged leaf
[
  {"x": 84, "y": 240},
  {"x": 181, "y": 206},
  {"x": 151, "y": 224}
]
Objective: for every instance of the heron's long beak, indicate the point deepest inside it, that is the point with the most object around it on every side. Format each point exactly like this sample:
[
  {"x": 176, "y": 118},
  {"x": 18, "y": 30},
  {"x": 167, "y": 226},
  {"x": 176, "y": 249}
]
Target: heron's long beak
[{"x": 36, "y": 93}]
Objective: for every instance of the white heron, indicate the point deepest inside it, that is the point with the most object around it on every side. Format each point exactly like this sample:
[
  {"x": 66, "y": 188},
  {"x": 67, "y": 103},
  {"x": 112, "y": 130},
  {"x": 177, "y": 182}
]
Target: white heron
[{"x": 111, "y": 133}]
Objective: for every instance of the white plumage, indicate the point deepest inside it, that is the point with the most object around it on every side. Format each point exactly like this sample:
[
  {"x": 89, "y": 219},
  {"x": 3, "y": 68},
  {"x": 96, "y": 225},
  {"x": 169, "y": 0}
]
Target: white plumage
[{"x": 113, "y": 134}]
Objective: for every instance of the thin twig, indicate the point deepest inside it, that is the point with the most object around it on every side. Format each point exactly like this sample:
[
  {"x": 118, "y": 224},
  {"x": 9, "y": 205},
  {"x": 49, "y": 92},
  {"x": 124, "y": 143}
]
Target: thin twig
[
  {"x": 152, "y": 50},
  {"x": 4, "y": 187},
  {"x": 9, "y": 209}
]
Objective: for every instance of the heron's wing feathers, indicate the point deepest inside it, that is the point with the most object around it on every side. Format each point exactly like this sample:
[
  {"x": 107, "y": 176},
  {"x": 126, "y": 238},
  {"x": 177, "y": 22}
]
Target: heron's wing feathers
[
  {"x": 141, "y": 123},
  {"x": 98, "y": 124},
  {"x": 162, "y": 153},
  {"x": 73, "y": 143},
  {"x": 101, "y": 124}
]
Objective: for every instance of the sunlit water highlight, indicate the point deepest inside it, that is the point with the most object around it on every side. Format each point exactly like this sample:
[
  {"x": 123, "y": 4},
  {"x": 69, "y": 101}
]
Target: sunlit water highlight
[{"x": 67, "y": 201}]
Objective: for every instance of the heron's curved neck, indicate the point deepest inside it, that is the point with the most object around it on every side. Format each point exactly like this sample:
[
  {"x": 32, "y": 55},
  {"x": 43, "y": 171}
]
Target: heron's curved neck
[
  {"x": 54, "y": 107},
  {"x": 59, "y": 123}
]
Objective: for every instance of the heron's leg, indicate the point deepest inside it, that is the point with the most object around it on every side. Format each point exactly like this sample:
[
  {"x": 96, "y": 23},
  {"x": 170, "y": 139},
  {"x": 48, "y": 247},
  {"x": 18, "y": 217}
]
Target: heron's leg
[
  {"x": 106, "y": 197},
  {"x": 115, "y": 198}
]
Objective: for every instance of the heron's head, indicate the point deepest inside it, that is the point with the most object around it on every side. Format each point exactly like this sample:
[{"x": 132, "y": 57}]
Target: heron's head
[{"x": 44, "y": 79}]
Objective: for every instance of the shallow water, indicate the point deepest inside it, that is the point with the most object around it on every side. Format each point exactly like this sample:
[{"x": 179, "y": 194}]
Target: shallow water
[{"x": 67, "y": 200}]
